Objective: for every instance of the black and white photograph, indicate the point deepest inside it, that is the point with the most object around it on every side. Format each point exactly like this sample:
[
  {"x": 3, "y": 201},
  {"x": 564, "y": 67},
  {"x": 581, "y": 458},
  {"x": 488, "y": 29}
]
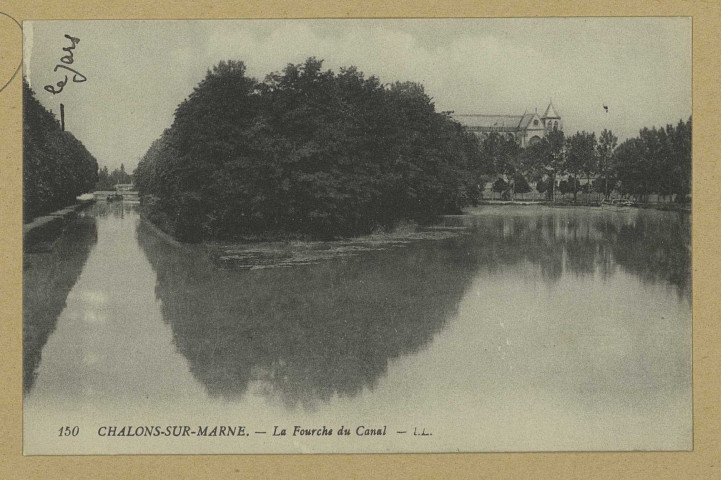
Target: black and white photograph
[{"x": 357, "y": 235}]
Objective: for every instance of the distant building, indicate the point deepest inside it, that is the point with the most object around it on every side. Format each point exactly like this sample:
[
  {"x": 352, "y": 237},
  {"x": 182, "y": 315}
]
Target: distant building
[
  {"x": 124, "y": 187},
  {"x": 525, "y": 129}
]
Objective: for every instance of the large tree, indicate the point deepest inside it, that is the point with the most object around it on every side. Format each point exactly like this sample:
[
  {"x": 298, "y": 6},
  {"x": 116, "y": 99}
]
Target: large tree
[
  {"x": 306, "y": 151},
  {"x": 607, "y": 143},
  {"x": 520, "y": 184},
  {"x": 657, "y": 161},
  {"x": 543, "y": 161},
  {"x": 581, "y": 158},
  {"x": 680, "y": 171}
]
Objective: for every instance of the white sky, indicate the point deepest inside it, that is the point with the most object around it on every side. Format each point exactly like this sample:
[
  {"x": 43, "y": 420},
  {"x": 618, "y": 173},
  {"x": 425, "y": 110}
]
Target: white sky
[{"x": 139, "y": 71}]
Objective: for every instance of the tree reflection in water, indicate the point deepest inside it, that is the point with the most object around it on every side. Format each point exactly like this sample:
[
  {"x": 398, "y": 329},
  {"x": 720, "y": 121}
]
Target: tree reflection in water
[
  {"x": 309, "y": 332},
  {"x": 655, "y": 246},
  {"x": 48, "y": 277}
]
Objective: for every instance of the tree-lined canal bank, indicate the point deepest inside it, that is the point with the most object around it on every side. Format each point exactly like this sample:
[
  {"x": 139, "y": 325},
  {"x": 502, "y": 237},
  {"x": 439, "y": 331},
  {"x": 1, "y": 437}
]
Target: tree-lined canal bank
[{"x": 47, "y": 228}]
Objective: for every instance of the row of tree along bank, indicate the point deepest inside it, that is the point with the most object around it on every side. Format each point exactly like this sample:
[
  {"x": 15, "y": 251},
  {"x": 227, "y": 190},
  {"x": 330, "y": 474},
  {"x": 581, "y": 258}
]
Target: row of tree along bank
[
  {"x": 658, "y": 162},
  {"x": 324, "y": 154},
  {"x": 56, "y": 166}
]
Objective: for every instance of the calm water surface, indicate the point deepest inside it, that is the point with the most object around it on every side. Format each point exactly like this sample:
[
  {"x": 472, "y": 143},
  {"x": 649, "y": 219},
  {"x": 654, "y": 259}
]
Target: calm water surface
[{"x": 534, "y": 328}]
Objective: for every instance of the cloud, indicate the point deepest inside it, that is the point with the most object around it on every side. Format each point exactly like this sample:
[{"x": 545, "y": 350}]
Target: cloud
[{"x": 138, "y": 72}]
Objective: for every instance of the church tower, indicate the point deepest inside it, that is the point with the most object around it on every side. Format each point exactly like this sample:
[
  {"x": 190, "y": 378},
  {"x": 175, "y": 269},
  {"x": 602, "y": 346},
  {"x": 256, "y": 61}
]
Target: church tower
[{"x": 551, "y": 119}]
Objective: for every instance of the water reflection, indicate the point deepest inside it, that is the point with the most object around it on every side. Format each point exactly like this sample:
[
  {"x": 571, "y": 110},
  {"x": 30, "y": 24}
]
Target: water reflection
[
  {"x": 532, "y": 329},
  {"x": 652, "y": 245},
  {"x": 48, "y": 277},
  {"x": 657, "y": 248},
  {"x": 309, "y": 332},
  {"x": 108, "y": 328}
]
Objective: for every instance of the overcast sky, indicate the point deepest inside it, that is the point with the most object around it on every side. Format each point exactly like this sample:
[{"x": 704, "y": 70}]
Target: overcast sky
[{"x": 139, "y": 71}]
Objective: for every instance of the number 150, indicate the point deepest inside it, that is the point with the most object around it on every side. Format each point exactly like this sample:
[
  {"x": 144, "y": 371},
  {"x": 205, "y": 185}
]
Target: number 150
[{"x": 69, "y": 431}]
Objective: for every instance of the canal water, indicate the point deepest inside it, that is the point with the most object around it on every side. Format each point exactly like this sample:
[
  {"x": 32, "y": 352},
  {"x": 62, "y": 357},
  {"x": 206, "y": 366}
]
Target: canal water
[{"x": 523, "y": 329}]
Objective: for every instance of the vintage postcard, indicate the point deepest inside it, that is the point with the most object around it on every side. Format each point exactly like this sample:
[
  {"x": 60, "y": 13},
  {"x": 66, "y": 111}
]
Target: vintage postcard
[{"x": 357, "y": 236}]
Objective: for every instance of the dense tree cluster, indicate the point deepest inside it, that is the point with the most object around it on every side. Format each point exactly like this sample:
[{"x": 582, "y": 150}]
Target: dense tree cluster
[
  {"x": 658, "y": 161},
  {"x": 56, "y": 166},
  {"x": 107, "y": 180},
  {"x": 305, "y": 151},
  {"x": 328, "y": 154}
]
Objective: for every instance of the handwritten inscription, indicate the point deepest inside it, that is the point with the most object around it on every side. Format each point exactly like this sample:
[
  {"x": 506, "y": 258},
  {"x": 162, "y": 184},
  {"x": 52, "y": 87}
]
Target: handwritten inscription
[{"x": 66, "y": 60}]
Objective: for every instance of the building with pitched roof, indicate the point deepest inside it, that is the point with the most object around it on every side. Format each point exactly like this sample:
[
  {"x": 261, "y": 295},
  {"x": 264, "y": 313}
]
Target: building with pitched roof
[{"x": 525, "y": 129}]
